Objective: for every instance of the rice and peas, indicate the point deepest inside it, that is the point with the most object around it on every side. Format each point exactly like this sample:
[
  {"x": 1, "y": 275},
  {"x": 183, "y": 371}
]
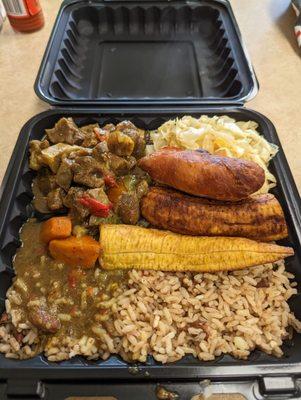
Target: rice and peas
[{"x": 169, "y": 315}]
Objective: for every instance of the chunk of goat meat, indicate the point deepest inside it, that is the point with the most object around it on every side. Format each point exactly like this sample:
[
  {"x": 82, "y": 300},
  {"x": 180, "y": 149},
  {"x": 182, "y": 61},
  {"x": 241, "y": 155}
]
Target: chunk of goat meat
[
  {"x": 121, "y": 165},
  {"x": 40, "y": 200},
  {"x": 53, "y": 155},
  {"x": 64, "y": 174},
  {"x": 100, "y": 152},
  {"x": 43, "y": 319},
  {"x": 73, "y": 194},
  {"x": 88, "y": 171},
  {"x": 140, "y": 174},
  {"x": 140, "y": 145},
  {"x": 263, "y": 283},
  {"x": 141, "y": 189},
  {"x": 109, "y": 127},
  {"x": 90, "y": 135},
  {"x": 78, "y": 211},
  {"x": 46, "y": 181},
  {"x": 35, "y": 158},
  {"x": 55, "y": 199},
  {"x": 65, "y": 131},
  {"x": 124, "y": 125},
  {"x": 80, "y": 152},
  {"x": 137, "y": 135},
  {"x": 128, "y": 208},
  {"x": 120, "y": 143}
]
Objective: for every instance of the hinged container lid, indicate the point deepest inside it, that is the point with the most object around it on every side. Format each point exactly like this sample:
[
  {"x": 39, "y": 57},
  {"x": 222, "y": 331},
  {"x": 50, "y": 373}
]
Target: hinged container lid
[{"x": 145, "y": 52}]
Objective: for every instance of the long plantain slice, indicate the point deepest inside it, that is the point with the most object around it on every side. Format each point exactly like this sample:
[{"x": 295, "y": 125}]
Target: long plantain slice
[
  {"x": 259, "y": 217},
  {"x": 126, "y": 246}
]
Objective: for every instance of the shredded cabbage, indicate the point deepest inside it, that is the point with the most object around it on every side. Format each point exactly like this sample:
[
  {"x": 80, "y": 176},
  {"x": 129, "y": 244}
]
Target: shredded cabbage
[{"x": 219, "y": 135}]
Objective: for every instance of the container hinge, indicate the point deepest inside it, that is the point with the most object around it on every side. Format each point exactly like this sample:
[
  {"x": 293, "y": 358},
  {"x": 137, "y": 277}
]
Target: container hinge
[
  {"x": 24, "y": 388},
  {"x": 278, "y": 386}
]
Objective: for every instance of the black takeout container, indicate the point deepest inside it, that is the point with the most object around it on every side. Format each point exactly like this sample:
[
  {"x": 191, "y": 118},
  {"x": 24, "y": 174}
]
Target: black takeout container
[{"x": 147, "y": 62}]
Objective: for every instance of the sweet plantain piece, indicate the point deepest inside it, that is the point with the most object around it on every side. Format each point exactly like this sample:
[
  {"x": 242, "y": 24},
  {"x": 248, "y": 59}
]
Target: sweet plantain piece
[
  {"x": 125, "y": 247},
  {"x": 202, "y": 174},
  {"x": 259, "y": 217}
]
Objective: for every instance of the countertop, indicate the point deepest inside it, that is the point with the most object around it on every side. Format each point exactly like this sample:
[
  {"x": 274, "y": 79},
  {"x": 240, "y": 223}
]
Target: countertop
[{"x": 267, "y": 29}]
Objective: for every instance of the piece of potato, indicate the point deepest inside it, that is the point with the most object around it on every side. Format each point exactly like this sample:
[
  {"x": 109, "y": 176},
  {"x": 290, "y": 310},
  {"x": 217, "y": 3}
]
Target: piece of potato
[
  {"x": 55, "y": 228},
  {"x": 75, "y": 251}
]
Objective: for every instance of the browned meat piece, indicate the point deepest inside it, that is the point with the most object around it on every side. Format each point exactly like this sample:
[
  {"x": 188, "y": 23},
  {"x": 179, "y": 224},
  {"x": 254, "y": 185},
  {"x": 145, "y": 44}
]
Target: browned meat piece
[
  {"x": 263, "y": 283},
  {"x": 65, "y": 131},
  {"x": 137, "y": 135},
  {"x": 120, "y": 144},
  {"x": 141, "y": 189},
  {"x": 82, "y": 151},
  {"x": 139, "y": 150},
  {"x": 140, "y": 174},
  {"x": 89, "y": 128},
  {"x": 55, "y": 199},
  {"x": 128, "y": 208},
  {"x": 43, "y": 319},
  {"x": 53, "y": 155},
  {"x": 125, "y": 126},
  {"x": 100, "y": 152},
  {"x": 259, "y": 217},
  {"x": 40, "y": 200},
  {"x": 73, "y": 194},
  {"x": 90, "y": 135},
  {"x": 203, "y": 174},
  {"x": 125, "y": 139},
  {"x": 35, "y": 148},
  {"x": 88, "y": 171},
  {"x": 46, "y": 181},
  {"x": 78, "y": 211},
  {"x": 109, "y": 127},
  {"x": 65, "y": 174},
  {"x": 42, "y": 185},
  {"x": 121, "y": 165}
]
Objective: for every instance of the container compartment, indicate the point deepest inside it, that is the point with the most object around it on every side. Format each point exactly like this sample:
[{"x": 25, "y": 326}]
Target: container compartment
[
  {"x": 15, "y": 208},
  {"x": 146, "y": 51}
]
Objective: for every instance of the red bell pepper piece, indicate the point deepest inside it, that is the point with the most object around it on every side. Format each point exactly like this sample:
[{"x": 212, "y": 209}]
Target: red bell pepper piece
[{"x": 96, "y": 207}]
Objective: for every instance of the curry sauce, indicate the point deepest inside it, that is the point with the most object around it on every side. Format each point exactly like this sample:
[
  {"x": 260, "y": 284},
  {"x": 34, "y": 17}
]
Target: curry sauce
[{"x": 58, "y": 299}]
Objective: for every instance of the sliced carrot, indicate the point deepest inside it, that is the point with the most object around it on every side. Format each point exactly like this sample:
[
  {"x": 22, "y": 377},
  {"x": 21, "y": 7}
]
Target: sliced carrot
[
  {"x": 55, "y": 228},
  {"x": 82, "y": 251}
]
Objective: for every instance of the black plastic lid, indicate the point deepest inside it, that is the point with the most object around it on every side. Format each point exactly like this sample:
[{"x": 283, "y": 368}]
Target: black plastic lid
[{"x": 145, "y": 52}]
